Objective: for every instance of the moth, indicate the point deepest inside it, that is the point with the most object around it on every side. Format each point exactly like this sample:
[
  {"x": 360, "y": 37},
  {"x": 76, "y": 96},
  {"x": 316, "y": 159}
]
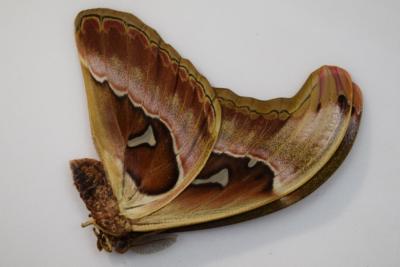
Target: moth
[{"x": 178, "y": 154}]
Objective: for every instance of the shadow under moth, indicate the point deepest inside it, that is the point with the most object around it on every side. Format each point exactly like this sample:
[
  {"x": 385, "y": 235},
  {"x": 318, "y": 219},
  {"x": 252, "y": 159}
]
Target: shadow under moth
[{"x": 178, "y": 154}]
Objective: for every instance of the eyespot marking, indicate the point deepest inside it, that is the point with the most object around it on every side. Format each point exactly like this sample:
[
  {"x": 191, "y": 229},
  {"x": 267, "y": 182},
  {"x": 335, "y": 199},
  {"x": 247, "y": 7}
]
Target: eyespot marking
[
  {"x": 252, "y": 163},
  {"x": 146, "y": 138},
  {"x": 221, "y": 178}
]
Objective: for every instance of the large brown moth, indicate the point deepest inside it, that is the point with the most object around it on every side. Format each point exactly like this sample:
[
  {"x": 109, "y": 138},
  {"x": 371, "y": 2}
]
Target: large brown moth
[{"x": 178, "y": 154}]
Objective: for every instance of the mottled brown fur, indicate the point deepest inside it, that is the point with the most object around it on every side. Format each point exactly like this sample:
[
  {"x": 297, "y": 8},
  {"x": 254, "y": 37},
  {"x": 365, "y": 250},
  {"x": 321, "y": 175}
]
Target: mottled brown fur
[{"x": 91, "y": 182}]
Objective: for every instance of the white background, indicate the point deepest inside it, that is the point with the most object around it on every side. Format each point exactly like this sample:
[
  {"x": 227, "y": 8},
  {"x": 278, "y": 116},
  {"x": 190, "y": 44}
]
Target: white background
[{"x": 262, "y": 49}]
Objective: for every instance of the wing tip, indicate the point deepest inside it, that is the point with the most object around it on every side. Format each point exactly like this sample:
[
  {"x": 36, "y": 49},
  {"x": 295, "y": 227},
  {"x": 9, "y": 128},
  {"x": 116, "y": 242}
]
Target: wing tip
[{"x": 357, "y": 99}]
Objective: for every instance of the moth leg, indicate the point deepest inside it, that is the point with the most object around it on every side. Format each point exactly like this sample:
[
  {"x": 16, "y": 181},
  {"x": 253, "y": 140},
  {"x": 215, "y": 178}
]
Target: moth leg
[
  {"x": 103, "y": 242},
  {"x": 88, "y": 223}
]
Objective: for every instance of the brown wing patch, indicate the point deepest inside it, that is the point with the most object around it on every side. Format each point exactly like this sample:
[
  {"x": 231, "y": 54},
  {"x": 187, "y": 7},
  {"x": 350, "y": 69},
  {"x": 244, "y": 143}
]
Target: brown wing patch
[{"x": 153, "y": 166}]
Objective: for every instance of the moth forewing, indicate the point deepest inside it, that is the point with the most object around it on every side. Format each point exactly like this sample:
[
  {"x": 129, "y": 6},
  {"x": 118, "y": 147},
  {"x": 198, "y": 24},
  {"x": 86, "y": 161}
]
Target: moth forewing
[{"x": 147, "y": 84}]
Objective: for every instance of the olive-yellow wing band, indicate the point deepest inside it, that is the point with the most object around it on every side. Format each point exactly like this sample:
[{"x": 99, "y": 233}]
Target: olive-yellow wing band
[
  {"x": 265, "y": 151},
  {"x": 154, "y": 118}
]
